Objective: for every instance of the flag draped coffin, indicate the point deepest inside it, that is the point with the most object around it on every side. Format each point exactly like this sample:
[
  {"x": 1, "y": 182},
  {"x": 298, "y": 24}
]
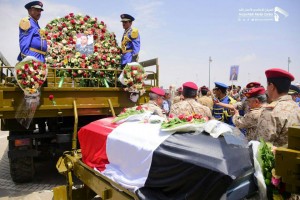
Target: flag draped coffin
[{"x": 159, "y": 165}]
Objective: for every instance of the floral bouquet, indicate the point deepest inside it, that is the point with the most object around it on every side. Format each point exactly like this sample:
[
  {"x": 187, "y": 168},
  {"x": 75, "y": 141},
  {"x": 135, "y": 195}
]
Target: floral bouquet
[
  {"x": 133, "y": 114},
  {"x": 92, "y": 68},
  {"x": 133, "y": 76},
  {"x": 184, "y": 123},
  {"x": 275, "y": 187},
  {"x": 30, "y": 74}
]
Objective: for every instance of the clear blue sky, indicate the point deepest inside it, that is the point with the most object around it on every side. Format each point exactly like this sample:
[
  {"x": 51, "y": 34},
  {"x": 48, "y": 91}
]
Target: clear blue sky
[{"x": 183, "y": 34}]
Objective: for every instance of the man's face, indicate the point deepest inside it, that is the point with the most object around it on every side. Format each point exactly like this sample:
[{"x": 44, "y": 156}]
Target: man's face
[
  {"x": 160, "y": 100},
  {"x": 84, "y": 40},
  {"x": 126, "y": 24},
  {"x": 35, "y": 13},
  {"x": 253, "y": 103}
]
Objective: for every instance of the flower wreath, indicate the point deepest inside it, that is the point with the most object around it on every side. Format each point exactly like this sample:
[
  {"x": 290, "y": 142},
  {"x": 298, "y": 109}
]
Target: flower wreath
[
  {"x": 127, "y": 112},
  {"x": 61, "y": 35},
  {"x": 133, "y": 77},
  {"x": 183, "y": 120}
]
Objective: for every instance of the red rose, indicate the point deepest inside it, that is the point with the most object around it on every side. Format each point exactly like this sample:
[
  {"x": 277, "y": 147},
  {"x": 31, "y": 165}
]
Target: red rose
[
  {"x": 73, "y": 21},
  {"x": 139, "y": 108},
  {"x": 71, "y": 14},
  {"x": 51, "y": 97},
  {"x": 189, "y": 118},
  {"x": 133, "y": 67},
  {"x": 197, "y": 116},
  {"x": 181, "y": 117},
  {"x": 171, "y": 115},
  {"x": 85, "y": 19}
]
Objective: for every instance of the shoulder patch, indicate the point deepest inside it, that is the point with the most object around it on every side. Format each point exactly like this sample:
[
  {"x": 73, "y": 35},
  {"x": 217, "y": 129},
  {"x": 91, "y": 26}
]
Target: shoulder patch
[
  {"x": 25, "y": 24},
  {"x": 134, "y": 33}
]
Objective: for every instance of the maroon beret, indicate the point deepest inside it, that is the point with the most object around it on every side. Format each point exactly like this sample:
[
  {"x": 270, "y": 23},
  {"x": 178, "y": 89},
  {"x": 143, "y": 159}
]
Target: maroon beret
[
  {"x": 253, "y": 84},
  {"x": 204, "y": 88},
  {"x": 276, "y": 72},
  {"x": 158, "y": 91},
  {"x": 255, "y": 92},
  {"x": 179, "y": 89},
  {"x": 191, "y": 85}
]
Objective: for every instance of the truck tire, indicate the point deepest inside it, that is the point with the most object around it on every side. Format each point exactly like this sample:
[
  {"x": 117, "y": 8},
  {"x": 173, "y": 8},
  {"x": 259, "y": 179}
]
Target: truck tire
[{"x": 21, "y": 169}]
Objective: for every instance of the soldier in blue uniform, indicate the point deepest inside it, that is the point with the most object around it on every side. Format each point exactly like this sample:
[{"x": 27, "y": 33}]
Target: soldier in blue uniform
[
  {"x": 130, "y": 41},
  {"x": 31, "y": 38},
  {"x": 221, "y": 113}
]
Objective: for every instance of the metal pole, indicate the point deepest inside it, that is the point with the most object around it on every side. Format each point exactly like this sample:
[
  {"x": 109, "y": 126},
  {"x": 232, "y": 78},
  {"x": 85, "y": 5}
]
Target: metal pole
[
  {"x": 209, "y": 61},
  {"x": 289, "y": 61}
]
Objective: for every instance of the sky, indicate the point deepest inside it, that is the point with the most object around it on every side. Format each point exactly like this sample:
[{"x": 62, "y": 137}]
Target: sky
[{"x": 256, "y": 35}]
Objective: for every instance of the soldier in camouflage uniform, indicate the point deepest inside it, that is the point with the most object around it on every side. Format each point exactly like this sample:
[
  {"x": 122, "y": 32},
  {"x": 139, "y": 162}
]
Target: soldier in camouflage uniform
[
  {"x": 178, "y": 96},
  {"x": 156, "y": 100},
  {"x": 282, "y": 113},
  {"x": 204, "y": 99},
  {"x": 256, "y": 98},
  {"x": 189, "y": 105}
]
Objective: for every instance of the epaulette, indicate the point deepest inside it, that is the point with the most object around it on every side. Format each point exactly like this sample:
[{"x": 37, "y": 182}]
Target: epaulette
[
  {"x": 134, "y": 33},
  {"x": 270, "y": 106},
  {"x": 25, "y": 23}
]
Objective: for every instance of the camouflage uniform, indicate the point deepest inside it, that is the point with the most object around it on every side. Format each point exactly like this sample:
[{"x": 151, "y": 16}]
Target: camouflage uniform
[
  {"x": 176, "y": 99},
  {"x": 206, "y": 101},
  {"x": 188, "y": 107},
  {"x": 249, "y": 122},
  {"x": 276, "y": 118},
  {"x": 156, "y": 109}
]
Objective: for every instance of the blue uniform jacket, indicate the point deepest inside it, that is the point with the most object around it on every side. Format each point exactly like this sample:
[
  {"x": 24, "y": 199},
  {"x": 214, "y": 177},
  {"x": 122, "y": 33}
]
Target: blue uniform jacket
[
  {"x": 130, "y": 45},
  {"x": 31, "y": 42},
  {"x": 222, "y": 114}
]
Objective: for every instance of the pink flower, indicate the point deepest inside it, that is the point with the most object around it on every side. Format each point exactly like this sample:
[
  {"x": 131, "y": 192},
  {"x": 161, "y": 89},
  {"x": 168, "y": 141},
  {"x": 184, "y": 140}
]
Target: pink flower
[
  {"x": 275, "y": 181},
  {"x": 139, "y": 108},
  {"x": 171, "y": 116},
  {"x": 189, "y": 118},
  {"x": 181, "y": 117}
]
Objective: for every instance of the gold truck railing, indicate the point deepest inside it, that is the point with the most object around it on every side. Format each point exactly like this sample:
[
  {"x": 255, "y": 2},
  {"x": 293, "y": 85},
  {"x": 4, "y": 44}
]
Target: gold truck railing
[{"x": 53, "y": 79}]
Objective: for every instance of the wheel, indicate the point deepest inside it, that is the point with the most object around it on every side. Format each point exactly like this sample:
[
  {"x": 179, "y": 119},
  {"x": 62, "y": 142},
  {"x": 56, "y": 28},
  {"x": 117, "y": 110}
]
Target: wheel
[{"x": 21, "y": 168}]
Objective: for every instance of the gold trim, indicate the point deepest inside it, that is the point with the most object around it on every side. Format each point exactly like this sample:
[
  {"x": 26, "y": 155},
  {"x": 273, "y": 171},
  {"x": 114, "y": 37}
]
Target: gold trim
[{"x": 38, "y": 51}]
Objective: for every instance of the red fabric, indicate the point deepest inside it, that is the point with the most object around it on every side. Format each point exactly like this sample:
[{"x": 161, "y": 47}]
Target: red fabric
[{"x": 92, "y": 139}]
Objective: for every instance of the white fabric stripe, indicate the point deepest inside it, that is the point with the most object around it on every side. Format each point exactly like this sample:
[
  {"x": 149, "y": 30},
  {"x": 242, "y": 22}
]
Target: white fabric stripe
[{"x": 129, "y": 150}]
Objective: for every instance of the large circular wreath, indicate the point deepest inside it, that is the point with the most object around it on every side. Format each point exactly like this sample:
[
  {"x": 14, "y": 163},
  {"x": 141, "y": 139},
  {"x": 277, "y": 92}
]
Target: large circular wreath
[{"x": 62, "y": 35}]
